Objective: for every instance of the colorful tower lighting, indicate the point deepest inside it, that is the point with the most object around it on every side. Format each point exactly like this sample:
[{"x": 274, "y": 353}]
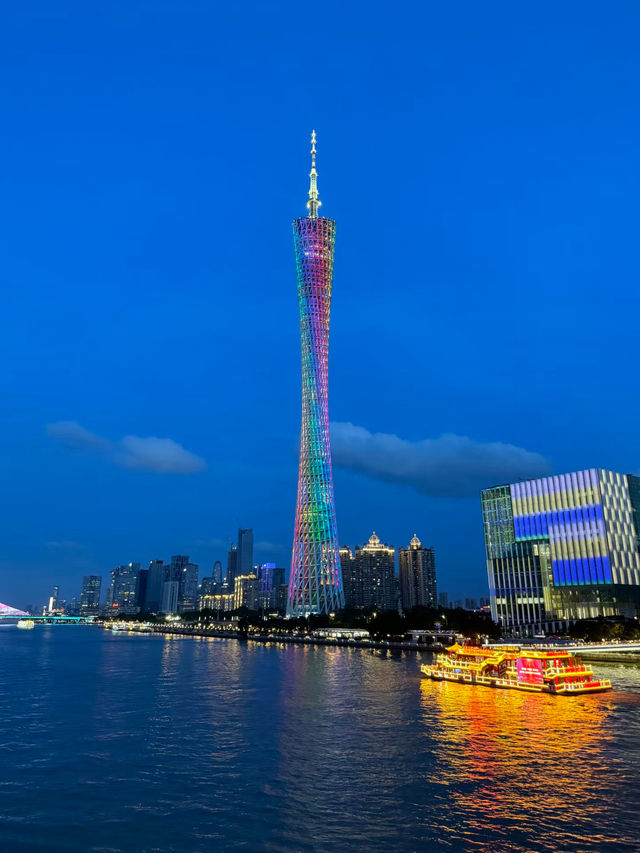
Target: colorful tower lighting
[{"x": 315, "y": 583}]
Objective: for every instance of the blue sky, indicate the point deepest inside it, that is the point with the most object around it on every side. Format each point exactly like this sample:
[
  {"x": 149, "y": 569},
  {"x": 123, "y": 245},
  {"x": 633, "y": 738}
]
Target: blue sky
[{"x": 481, "y": 163}]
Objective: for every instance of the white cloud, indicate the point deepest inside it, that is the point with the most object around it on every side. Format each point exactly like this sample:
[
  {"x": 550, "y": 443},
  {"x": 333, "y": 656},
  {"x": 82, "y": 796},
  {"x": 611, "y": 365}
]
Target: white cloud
[
  {"x": 449, "y": 466},
  {"x": 161, "y": 455},
  {"x": 74, "y": 435}
]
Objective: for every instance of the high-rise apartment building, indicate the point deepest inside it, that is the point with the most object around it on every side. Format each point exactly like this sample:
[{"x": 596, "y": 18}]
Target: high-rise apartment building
[
  {"x": 245, "y": 551},
  {"x": 123, "y": 593},
  {"x": 562, "y": 548},
  {"x": 369, "y": 576},
  {"x": 315, "y": 582},
  {"x": 417, "y": 576},
  {"x": 90, "y": 595}
]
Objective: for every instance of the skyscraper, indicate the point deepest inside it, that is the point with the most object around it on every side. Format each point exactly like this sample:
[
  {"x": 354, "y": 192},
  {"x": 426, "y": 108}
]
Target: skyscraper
[
  {"x": 90, "y": 595},
  {"x": 315, "y": 583},
  {"x": 124, "y": 588},
  {"x": 418, "y": 576},
  {"x": 188, "y": 588},
  {"x": 245, "y": 550},
  {"x": 172, "y": 581},
  {"x": 155, "y": 587},
  {"x": 232, "y": 566},
  {"x": 562, "y": 548},
  {"x": 141, "y": 589},
  {"x": 53, "y": 599}
]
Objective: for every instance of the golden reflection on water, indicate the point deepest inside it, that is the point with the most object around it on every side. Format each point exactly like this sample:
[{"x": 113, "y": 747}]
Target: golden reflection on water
[{"x": 525, "y": 759}]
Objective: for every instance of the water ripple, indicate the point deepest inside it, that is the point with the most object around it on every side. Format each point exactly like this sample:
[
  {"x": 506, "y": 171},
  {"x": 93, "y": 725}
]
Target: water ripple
[{"x": 131, "y": 743}]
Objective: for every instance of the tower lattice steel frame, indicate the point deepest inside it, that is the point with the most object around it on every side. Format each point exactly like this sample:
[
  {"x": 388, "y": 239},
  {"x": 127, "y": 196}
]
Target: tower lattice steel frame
[{"x": 315, "y": 583}]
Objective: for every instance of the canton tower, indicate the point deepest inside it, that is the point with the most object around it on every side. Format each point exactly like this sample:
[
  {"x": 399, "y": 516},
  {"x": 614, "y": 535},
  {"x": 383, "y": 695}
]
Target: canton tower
[{"x": 315, "y": 583}]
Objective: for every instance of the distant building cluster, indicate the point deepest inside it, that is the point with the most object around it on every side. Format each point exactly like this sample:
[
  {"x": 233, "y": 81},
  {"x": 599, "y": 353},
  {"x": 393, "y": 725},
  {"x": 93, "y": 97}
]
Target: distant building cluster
[
  {"x": 174, "y": 587},
  {"x": 371, "y": 583},
  {"x": 563, "y": 548}
]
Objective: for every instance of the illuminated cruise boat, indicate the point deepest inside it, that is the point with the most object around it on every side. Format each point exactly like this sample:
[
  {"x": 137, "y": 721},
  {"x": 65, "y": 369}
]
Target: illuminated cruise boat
[{"x": 511, "y": 667}]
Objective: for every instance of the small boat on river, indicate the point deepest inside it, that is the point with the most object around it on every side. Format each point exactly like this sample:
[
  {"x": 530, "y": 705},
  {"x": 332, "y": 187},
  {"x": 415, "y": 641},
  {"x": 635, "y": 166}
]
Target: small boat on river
[
  {"x": 512, "y": 667},
  {"x": 26, "y": 624}
]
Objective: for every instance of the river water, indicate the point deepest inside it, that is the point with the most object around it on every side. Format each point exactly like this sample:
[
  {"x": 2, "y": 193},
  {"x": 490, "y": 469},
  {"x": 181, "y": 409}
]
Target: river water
[{"x": 121, "y": 742}]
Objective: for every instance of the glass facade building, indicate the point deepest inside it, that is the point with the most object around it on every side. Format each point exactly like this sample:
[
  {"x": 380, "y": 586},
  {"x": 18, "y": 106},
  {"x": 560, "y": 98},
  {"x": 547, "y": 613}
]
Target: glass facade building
[
  {"x": 123, "y": 592},
  {"x": 155, "y": 587},
  {"x": 562, "y": 548},
  {"x": 245, "y": 551},
  {"x": 90, "y": 596}
]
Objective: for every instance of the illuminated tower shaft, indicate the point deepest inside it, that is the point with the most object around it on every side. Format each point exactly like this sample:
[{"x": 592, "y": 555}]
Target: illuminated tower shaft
[{"x": 315, "y": 583}]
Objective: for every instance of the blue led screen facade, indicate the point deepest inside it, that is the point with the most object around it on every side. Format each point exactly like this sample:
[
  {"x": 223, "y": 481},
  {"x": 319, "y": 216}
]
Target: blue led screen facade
[
  {"x": 563, "y": 547},
  {"x": 567, "y": 511}
]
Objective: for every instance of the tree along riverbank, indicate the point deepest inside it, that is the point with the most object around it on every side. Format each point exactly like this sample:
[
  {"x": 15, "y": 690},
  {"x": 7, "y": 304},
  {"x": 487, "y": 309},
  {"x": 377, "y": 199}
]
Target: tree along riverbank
[{"x": 354, "y": 643}]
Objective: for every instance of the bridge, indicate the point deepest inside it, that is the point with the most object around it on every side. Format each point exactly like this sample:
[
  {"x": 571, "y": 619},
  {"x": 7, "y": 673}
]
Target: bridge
[
  {"x": 49, "y": 619},
  {"x": 12, "y": 614}
]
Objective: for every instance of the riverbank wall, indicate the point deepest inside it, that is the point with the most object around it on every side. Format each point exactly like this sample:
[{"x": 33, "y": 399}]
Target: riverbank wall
[{"x": 610, "y": 657}]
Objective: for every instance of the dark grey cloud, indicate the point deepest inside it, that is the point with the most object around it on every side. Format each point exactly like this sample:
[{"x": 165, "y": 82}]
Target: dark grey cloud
[
  {"x": 449, "y": 466},
  {"x": 161, "y": 455}
]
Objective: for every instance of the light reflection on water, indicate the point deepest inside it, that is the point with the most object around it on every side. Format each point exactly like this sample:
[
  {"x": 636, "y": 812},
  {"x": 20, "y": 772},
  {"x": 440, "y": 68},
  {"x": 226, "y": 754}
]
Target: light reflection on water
[
  {"x": 123, "y": 743},
  {"x": 529, "y": 769}
]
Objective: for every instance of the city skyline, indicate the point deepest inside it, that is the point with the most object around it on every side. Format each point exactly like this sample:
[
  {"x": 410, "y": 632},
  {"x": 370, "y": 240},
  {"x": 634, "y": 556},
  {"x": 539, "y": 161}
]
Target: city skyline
[
  {"x": 487, "y": 234},
  {"x": 320, "y": 527}
]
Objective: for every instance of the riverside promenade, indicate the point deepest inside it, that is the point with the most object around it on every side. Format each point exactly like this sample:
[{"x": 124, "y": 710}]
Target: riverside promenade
[
  {"x": 433, "y": 641},
  {"x": 608, "y": 652}
]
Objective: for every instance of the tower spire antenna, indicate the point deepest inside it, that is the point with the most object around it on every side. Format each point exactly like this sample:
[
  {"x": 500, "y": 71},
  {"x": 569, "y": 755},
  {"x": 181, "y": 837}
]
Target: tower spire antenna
[{"x": 314, "y": 202}]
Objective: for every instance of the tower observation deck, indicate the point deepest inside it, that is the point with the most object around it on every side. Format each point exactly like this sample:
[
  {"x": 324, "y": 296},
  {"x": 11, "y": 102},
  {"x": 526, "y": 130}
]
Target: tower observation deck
[{"x": 315, "y": 582}]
